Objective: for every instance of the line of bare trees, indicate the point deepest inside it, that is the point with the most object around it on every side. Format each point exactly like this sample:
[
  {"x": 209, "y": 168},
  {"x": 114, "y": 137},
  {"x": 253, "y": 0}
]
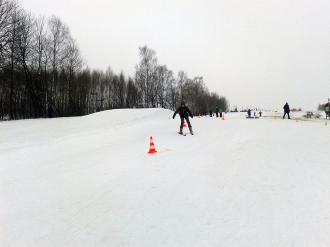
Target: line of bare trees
[
  {"x": 41, "y": 67},
  {"x": 157, "y": 87}
]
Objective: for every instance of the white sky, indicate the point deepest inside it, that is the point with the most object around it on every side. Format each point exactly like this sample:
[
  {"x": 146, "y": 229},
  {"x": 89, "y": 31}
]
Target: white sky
[{"x": 255, "y": 53}]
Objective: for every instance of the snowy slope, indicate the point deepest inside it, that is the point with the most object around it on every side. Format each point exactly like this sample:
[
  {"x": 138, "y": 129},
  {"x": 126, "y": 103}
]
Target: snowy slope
[{"x": 88, "y": 181}]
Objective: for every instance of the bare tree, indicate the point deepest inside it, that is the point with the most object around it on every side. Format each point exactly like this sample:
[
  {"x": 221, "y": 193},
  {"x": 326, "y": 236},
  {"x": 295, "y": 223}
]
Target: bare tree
[
  {"x": 95, "y": 88},
  {"x": 119, "y": 90},
  {"x": 41, "y": 58},
  {"x": 145, "y": 76},
  {"x": 59, "y": 39},
  {"x": 181, "y": 83},
  {"x": 7, "y": 9},
  {"x": 30, "y": 63},
  {"x": 131, "y": 95},
  {"x": 108, "y": 79},
  {"x": 73, "y": 64},
  {"x": 164, "y": 77},
  {"x": 10, "y": 60},
  {"x": 83, "y": 92}
]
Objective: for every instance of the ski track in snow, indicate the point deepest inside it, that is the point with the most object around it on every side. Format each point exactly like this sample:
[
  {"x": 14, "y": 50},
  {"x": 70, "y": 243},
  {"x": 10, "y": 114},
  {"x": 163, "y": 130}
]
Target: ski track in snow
[{"x": 88, "y": 181}]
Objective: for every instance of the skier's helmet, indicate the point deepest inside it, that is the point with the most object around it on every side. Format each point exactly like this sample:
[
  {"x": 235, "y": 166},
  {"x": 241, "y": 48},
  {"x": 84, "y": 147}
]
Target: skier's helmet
[{"x": 182, "y": 103}]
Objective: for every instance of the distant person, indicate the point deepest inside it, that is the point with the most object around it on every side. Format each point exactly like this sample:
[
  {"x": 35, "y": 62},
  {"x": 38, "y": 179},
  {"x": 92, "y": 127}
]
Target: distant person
[
  {"x": 249, "y": 112},
  {"x": 217, "y": 111},
  {"x": 50, "y": 112},
  {"x": 210, "y": 113},
  {"x": 204, "y": 112},
  {"x": 327, "y": 110},
  {"x": 183, "y": 111},
  {"x": 286, "y": 108}
]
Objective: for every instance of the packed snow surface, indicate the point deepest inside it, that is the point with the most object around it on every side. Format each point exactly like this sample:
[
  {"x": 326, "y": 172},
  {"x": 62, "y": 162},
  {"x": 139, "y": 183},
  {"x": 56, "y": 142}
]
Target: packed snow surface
[{"x": 89, "y": 181}]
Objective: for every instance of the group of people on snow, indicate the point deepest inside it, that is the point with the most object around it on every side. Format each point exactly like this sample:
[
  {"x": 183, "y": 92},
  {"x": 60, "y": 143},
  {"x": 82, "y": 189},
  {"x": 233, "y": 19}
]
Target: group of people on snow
[
  {"x": 217, "y": 112},
  {"x": 254, "y": 113},
  {"x": 185, "y": 112},
  {"x": 286, "y": 109}
]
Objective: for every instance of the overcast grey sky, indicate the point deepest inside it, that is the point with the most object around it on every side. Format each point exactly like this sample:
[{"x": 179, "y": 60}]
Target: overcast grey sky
[{"x": 255, "y": 53}]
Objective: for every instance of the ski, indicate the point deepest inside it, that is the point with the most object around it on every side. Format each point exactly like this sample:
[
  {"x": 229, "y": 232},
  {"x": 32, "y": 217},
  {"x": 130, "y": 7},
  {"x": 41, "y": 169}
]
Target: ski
[{"x": 185, "y": 134}]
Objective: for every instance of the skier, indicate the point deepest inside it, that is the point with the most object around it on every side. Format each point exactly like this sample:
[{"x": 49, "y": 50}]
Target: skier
[
  {"x": 216, "y": 111},
  {"x": 249, "y": 113},
  {"x": 210, "y": 112},
  {"x": 50, "y": 111},
  {"x": 183, "y": 111},
  {"x": 286, "y": 110},
  {"x": 327, "y": 110},
  {"x": 204, "y": 112}
]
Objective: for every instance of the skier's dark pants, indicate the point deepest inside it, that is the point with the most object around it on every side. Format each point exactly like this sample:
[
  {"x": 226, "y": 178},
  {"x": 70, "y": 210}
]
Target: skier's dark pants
[
  {"x": 216, "y": 114},
  {"x": 285, "y": 114},
  {"x": 187, "y": 120}
]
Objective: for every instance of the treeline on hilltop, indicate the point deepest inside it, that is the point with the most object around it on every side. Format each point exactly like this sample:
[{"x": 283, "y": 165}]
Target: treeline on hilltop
[{"x": 41, "y": 66}]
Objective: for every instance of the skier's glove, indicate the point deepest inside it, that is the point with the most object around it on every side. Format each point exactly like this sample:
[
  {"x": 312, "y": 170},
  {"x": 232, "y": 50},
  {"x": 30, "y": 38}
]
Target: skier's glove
[{"x": 173, "y": 117}]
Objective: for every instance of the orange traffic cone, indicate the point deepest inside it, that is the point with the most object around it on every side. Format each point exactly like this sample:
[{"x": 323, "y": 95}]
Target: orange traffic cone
[
  {"x": 223, "y": 116},
  {"x": 184, "y": 123},
  {"x": 152, "y": 146}
]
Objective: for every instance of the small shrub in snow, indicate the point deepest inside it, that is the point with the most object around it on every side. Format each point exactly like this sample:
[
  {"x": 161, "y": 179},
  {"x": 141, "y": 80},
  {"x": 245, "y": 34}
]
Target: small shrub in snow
[{"x": 310, "y": 114}]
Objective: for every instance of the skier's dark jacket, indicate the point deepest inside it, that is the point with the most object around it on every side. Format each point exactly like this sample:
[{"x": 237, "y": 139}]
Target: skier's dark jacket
[
  {"x": 183, "y": 112},
  {"x": 286, "y": 108}
]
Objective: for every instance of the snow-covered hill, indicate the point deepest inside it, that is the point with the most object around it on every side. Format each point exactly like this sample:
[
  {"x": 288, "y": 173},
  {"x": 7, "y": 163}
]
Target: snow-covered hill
[{"x": 88, "y": 181}]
